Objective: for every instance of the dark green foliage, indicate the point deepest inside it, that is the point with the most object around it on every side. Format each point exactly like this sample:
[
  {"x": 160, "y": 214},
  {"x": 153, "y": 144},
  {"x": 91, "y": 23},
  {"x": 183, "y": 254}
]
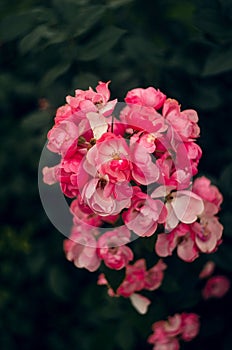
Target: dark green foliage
[{"x": 49, "y": 49}]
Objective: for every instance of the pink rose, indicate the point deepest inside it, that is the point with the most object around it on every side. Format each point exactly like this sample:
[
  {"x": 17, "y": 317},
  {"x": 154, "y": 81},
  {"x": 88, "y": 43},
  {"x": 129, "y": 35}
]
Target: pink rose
[
  {"x": 184, "y": 123},
  {"x": 105, "y": 198},
  {"x": 82, "y": 213},
  {"x": 143, "y": 119},
  {"x": 144, "y": 214},
  {"x": 109, "y": 157},
  {"x": 62, "y": 113},
  {"x": 181, "y": 238},
  {"x": 210, "y": 193},
  {"x": 144, "y": 170},
  {"x": 81, "y": 248},
  {"x": 112, "y": 249},
  {"x": 62, "y": 136},
  {"x": 91, "y": 101},
  {"x": 183, "y": 205},
  {"x": 208, "y": 233},
  {"x": 148, "y": 97}
]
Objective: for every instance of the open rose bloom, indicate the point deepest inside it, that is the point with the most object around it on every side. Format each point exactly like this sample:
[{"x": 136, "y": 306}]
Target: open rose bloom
[{"x": 128, "y": 173}]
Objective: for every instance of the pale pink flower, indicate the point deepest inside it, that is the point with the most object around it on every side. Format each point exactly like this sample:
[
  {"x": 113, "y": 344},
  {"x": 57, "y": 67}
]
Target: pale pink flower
[
  {"x": 62, "y": 136},
  {"x": 208, "y": 233},
  {"x": 145, "y": 140},
  {"x": 81, "y": 248},
  {"x": 111, "y": 248},
  {"x": 109, "y": 157},
  {"x": 190, "y": 326},
  {"x": 144, "y": 214},
  {"x": 62, "y": 113},
  {"x": 207, "y": 270},
  {"x": 194, "y": 154},
  {"x": 203, "y": 236},
  {"x": 105, "y": 198},
  {"x": 181, "y": 238},
  {"x": 216, "y": 287},
  {"x": 208, "y": 192},
  {"x": 184, "y": 123},
  {"x": 144, "y": 119},
  {"x": 144, "y": 170},
  {"x": 91, "y": 101},
  {"x": 82, "y": 213},
  {"x": 183, "y": 205},
  {"x": 177, "y": 176},
  {"x": 148, "y": 97},
  {"x": 50, "y": 175},
  {"x": 72, "y": 176}
]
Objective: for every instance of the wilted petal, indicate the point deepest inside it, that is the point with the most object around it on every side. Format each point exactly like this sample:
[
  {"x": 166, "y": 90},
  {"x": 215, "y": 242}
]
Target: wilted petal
[{"x": 140, "y": 303}]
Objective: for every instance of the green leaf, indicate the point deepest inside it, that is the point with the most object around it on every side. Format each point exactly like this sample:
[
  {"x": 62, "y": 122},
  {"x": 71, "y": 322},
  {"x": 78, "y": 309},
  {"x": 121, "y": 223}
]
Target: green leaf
[
  {"x": 36, "y": 120},
  {"x": 210, "y": 21},
  {"x": 32, "y": 40},
  {"x": 219, "y": 61},
  {"x": 79, "y": 18},
  {"x": 117, "y": 3},
  {"x": 55, "y": 73},
  {"x": 100, "y": 43},
  {"x": 16, "y": 25},
  {"x": 86, "y": 18}
]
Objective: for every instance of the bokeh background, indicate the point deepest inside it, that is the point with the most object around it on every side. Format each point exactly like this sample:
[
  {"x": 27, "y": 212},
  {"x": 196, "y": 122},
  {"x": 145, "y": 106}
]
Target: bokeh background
[{"x": 49, "y": 49}]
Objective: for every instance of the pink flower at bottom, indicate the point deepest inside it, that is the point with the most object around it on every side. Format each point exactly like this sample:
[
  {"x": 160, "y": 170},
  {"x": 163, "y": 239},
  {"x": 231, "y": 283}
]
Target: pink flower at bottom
[
  {"x": 166, "y": 334},
  {"x": 216, "y": 287}
]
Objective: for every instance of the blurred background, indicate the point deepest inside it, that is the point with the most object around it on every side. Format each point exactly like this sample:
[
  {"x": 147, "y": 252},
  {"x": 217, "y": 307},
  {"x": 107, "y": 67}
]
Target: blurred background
[{"x": 49, "y": 49}]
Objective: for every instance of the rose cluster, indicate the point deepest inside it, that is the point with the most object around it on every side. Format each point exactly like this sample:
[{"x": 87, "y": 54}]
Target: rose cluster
[{"x": 128, "y": 168}]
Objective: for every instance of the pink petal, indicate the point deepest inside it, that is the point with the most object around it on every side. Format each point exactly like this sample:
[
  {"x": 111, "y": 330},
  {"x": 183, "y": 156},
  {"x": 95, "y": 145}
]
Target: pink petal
[
  {"x": 187, "y": 206},
  {"x": 140, "y": 303}
]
